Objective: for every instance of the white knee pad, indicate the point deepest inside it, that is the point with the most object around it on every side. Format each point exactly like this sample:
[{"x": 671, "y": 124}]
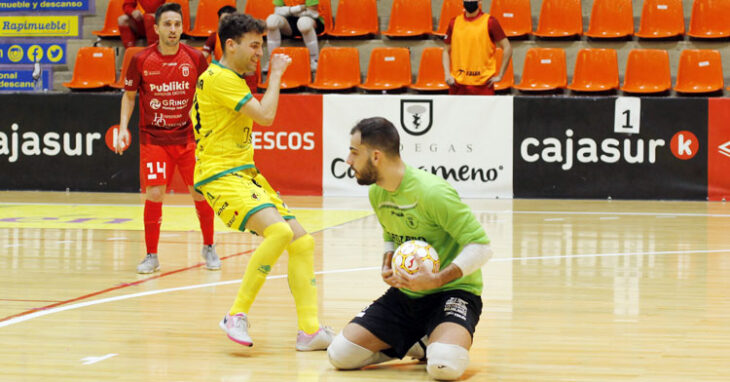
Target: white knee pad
[
  {"x": 275, "y": 21},
  {"x": 347, "y": 355},
  {"x": 305, "y": 24},
  {"x": 446, "y": 362}
]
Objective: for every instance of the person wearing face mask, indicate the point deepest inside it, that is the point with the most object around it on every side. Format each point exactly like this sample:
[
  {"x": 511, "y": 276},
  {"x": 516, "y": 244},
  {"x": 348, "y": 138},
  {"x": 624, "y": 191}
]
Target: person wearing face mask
[{"x": 470, "y": 59}]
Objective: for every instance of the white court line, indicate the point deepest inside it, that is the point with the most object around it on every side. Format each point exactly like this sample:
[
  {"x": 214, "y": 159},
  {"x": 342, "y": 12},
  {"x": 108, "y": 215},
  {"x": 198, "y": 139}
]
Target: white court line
[
  {"x": 166, "y": 206},
  {"x": 93, "y": 360},
  {"x": 609, "y": 218},
  {"x": 364, "y": 209},
  {"x": 672, "y": 214},
  {"x": 13, "y": 245},
  {"x": 116, "y": 238},
  {"x": 554, "y": 219},
  {"x": 42, "y": 313}
]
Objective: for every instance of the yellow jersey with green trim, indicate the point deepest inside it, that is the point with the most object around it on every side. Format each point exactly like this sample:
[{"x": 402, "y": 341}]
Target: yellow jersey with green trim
[{"x": 222, "y": 132}]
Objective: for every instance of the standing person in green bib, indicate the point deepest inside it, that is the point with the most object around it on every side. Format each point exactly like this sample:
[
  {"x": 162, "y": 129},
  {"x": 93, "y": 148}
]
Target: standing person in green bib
[{"x": 435, "y": 311}]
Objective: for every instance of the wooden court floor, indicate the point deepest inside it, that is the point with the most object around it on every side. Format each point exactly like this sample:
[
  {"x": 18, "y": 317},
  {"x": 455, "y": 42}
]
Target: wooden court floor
[{"x": 577, "y": 291}]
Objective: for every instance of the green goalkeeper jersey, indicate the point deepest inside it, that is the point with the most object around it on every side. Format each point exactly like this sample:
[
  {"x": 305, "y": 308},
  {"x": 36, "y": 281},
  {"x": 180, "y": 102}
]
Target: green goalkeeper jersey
[{"x": 426, "y": 207}]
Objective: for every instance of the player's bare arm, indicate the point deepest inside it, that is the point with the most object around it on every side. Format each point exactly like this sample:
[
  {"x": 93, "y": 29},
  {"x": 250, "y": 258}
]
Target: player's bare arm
[
  {"x": 127, "y": 108},
  {"x": 264, "y": 112}
]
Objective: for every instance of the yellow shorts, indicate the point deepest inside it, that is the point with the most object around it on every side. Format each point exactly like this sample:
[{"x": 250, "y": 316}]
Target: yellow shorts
[{"x": 238, "y": 195}]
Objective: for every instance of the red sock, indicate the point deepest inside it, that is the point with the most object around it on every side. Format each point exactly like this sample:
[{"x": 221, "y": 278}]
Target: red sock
[
  {"x": 128, "y": 37},
  {"x": 149, "y": 27},
  {"x": 206, "y": 217},
  {"x": 152, "y": 220}
]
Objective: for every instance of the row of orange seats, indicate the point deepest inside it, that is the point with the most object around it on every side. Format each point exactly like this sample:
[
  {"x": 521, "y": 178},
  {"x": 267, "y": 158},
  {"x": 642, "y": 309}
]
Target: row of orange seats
[
  {"x": 558, "y": 18},
  {"x": 596, "y": 70}
]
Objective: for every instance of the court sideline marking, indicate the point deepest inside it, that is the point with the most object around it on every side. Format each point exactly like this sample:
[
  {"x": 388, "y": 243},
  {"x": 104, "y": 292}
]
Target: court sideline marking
[{"x": 26, "y": 317}]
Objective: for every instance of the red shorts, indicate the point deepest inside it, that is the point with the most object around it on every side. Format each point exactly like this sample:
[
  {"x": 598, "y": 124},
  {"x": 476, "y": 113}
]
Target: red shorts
[
  {"x": 157, "y": 164},
  {"x": 458, "y": 89}
]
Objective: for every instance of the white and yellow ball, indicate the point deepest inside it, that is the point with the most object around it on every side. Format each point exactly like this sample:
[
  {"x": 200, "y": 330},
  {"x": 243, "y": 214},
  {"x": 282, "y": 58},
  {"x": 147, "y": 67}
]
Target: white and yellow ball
[{"x": 404, "y": 258}]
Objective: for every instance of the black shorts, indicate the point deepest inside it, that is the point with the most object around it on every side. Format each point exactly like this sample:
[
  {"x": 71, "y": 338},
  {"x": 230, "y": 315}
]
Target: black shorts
[
  {"x": 292, "y": 20},
  {"x": 400, "y": 321}
]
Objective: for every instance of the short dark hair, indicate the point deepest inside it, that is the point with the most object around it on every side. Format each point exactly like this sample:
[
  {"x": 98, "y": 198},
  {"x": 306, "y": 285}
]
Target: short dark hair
[
  {"x": 379, "y": 133},
  {"x": 238, "y": 24},
  {"x": 226, "y": 9},
  {"x": 167, "y": 7}
]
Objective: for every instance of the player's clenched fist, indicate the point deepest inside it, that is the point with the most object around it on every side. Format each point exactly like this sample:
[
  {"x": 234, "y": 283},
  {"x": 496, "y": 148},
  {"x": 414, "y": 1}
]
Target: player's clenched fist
[{"x": 279, "y": 63}]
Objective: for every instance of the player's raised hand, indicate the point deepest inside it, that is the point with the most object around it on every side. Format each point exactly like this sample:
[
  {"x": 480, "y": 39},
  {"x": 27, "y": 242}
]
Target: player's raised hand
[{"x": 279, "y": 63}]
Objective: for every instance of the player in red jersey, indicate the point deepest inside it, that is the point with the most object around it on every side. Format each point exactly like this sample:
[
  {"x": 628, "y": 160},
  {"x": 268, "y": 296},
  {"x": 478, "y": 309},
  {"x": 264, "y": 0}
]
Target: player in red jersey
[
  {"x": 133, "y": 24},
  {"x": 165, "y": 75}
]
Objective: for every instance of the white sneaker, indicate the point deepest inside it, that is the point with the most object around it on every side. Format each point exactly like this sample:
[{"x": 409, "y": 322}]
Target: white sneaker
[
  {"x": 236, "y": 327},
  {"x": 318, "y": 340},
  {"x": 212, "y": 261},
  {"x": 149, "y": 264}
]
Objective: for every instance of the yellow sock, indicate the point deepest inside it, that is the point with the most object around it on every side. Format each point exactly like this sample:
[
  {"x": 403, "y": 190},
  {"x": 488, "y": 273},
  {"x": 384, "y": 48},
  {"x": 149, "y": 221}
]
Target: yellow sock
[
  {"x": 276, "y": 237},
  {"x": 302, "y": 283}
]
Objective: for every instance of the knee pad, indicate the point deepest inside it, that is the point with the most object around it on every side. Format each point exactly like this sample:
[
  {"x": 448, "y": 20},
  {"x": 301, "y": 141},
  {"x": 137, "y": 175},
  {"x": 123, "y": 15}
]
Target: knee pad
[
  {"x": 305, "y": 24},
  {"x": 446, "y": 362},
  {"x": 275, "y": 21},
  {"x": 281, "y": 232},
  {"x": 346, "y": 355}
]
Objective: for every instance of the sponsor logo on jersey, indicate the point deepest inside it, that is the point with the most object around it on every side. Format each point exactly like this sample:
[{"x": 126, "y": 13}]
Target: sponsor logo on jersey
[{"x": 170, "y": 86}]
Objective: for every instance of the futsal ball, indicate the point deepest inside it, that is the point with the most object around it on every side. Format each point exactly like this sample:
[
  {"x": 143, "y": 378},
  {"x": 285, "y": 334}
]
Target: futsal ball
[{"x": 404, "y": 258}]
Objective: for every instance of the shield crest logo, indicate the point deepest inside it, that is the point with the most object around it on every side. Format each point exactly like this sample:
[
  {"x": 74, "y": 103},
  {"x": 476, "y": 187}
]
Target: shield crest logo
[
  {"x": 416, "y": 115},
  {"x": 185, "y": 70}
]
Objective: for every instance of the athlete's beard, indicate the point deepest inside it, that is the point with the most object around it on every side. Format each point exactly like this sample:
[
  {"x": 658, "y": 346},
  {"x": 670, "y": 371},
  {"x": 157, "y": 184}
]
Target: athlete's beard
[{"x": 368, "y": 175}]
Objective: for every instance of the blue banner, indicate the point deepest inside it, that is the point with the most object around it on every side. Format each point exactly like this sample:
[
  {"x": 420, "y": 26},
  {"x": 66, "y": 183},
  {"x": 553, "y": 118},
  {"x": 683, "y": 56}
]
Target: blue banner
[
  {"x": 22, "y": 80},
  {"x": 43, "y": 5},
  {"x": 28, "y": 52}
]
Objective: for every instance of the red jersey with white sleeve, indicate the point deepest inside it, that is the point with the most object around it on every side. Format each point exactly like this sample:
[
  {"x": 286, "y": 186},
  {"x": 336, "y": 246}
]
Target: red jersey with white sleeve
[{"x": 166, "y": 86}]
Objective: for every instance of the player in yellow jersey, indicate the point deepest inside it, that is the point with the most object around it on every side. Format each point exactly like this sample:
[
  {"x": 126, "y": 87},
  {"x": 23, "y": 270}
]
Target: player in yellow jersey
[{"x": 223, "y": 114}]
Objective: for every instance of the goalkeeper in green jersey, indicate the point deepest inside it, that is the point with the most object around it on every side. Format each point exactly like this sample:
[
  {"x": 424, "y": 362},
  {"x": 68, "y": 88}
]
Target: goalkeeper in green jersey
[{"x": 424, "y": 315}]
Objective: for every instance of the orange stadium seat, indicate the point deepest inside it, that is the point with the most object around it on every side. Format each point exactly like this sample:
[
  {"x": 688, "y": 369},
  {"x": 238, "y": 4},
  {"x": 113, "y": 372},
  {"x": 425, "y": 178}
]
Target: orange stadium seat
[
  {"x": 661, "y": 19},
  {"x": 544, "y": 69},
  {"x": 700, "y": 71},
  {"x": 595, "y": 70},
  {"x": 111, "y": 23},
  {"x": 94, "y": 68},
  {"x": 206, "y": 17},
  {"x": 611, "y": 19},
  {"x": 388, "y": 69},
  {"x": 355, "y": 18},
  {"x": 338, "y": 69},
  {"x": 560, "y": 18},
  {"x": 509, "y": 75},
  {"x": 710, "y": 19},
  {"x": 515, "y": 16},
  {"x": 259, "y": 9},
  {"x": 647, "y": 71},
  {"x": 129, "y": 52},
  {"x": 449, "y": 10},
  {"x": 185, "y": 6},
  {"x": 409, "y": 18},
  {"x": 298, "y": 73},
  {"x": 431, "y": 75}
]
